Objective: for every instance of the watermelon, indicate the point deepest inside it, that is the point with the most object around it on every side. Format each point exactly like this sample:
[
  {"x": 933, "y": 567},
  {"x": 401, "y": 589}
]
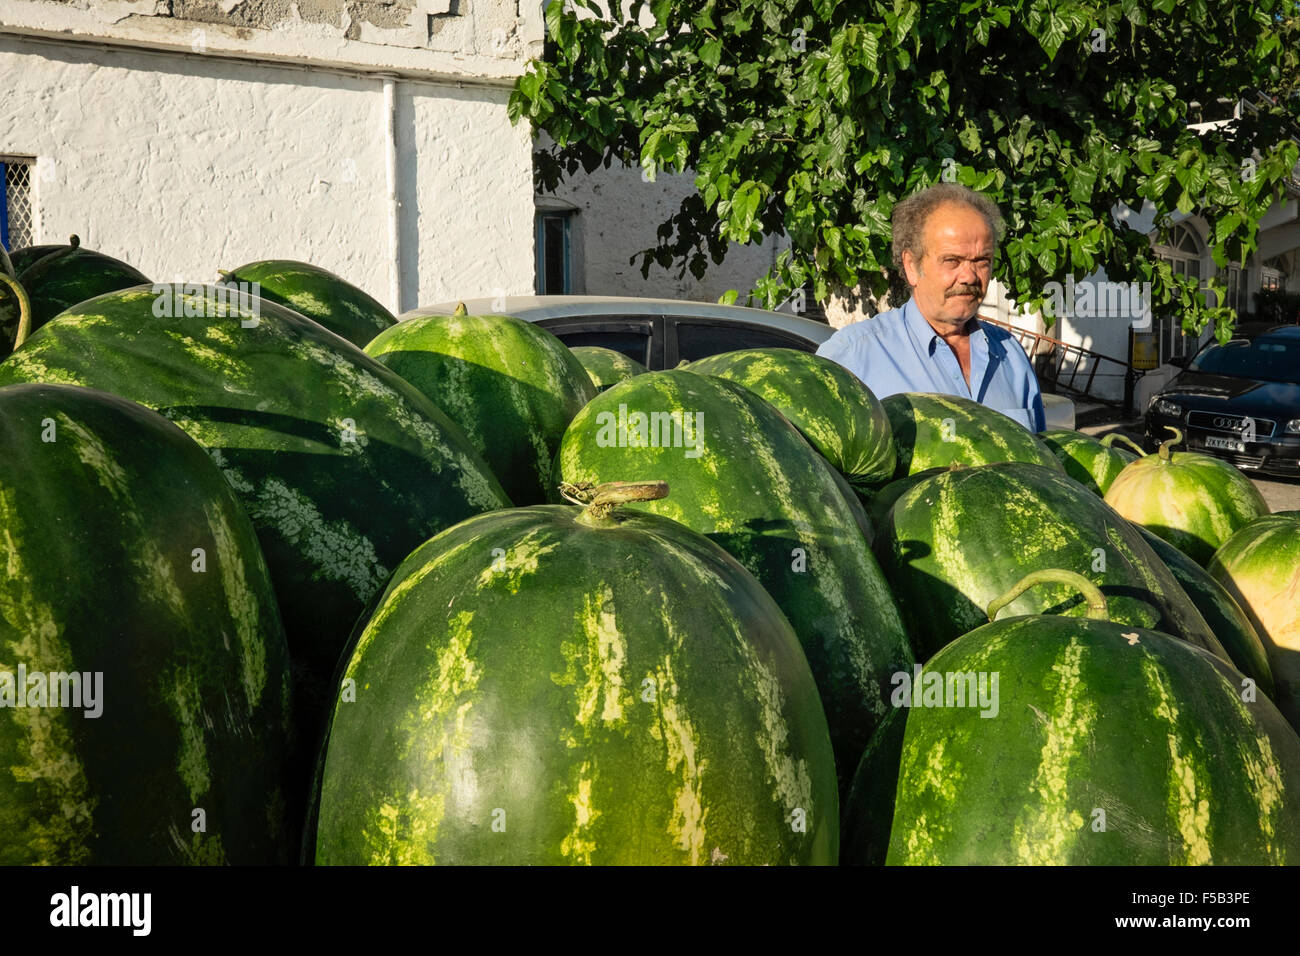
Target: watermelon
[
  {"x": 342, "y": 466},
  {"x": 130, "y": 562},
  {"x": 1090, "y": 462},
  {"x": 882, "y": 501},
  {"x": 933, "y": 431},
  {"x": 835, "y": 412},
  {"x": 1260, "y": 567},
  {"x": 1224, "y": 615},
  {"x": 1193, "y": 501},
  {"x": 513, "y": 387},
  {"x": 318, "y": 294},
  {"x": 1111, "y": 745},
  {"x": 562, "y": 685},
  {"x": 606, "y": 367},
  {"x": 743, "y": 475},
  {"x": 959, "y": 539},
  {"x": 58, "y": 277}
]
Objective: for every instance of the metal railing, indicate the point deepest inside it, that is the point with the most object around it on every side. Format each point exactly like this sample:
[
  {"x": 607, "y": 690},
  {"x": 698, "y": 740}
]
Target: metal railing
[{"x": 1061, "y": 364}]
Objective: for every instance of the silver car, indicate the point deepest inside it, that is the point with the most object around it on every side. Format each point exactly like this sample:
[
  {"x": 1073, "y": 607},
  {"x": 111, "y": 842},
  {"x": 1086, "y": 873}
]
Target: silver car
[{"x": 661, "y": 333}]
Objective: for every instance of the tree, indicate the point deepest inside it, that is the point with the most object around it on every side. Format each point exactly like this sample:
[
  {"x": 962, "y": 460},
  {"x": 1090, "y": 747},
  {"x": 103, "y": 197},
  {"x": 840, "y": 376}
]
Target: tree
[{"x": 814, "y": 117}]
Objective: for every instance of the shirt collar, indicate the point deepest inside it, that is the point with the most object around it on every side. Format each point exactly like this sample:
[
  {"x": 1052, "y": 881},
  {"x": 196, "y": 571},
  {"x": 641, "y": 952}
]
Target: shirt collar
[{"x": 924, "y": 332}]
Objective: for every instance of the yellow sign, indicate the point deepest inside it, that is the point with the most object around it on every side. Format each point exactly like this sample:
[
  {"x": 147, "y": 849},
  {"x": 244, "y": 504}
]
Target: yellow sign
[{"x": 1146, "y": 351}]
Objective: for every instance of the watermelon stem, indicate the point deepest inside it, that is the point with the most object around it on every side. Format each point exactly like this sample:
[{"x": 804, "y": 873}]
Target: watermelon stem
[
  {"x": 1120, "y": 436},
  {"x": 1097, "y": 608},
  {"x": 1166, "y": 446},
  {"x": 603, "y": 499},
  {"x": 24, "y": 308},
  {"x": 41, "y": 265}
]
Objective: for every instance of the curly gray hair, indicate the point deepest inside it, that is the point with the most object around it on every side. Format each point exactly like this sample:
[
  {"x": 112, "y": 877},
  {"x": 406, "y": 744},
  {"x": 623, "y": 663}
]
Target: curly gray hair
[{"x": 911, "y": 214}]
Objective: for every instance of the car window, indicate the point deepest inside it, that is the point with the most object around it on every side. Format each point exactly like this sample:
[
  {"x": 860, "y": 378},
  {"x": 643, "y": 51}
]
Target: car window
[
  {"x": 1264, "y": 358},
  {"x": 697, "y": 339},
  {"x": 631, "y": 335}
]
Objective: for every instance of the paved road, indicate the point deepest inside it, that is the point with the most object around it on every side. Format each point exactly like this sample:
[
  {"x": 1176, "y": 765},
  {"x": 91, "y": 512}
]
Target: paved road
[{"x": 1282, "y": 494}]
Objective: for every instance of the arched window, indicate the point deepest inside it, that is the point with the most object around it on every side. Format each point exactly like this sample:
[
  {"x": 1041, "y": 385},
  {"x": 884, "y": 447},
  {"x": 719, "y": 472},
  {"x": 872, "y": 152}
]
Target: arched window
[{"x": 1184, "y": 253}]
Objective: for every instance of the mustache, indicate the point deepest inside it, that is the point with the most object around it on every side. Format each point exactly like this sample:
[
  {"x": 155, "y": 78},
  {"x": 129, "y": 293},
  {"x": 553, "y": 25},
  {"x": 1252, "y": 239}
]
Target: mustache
[{"x": 964, "y": 290}]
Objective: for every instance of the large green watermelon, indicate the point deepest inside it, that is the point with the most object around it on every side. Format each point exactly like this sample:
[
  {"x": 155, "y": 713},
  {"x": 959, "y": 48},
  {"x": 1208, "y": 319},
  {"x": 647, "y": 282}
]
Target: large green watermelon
[
  {"x": 553, "y": 685},
  {"x": 128, "y": 561},
  {"x": 606, "y": 367},
  {"x": 835, "y": 412},
  {"x": 58, "y": 277},
  {"x": 959, "y": 539},
  {"x": 1089, "y": 461},
  {"x": 512, "y": 386},
  {"x": 1260, "y": 567},
  {"x": 743, "y": 475},
  {"x": 933, "y": 431},
  {"x": 1111, "y": 745},
  {"x": 343, "y": 467},
  {"x": 1193, "y": 501},
  {"x": 1221, "y": 611},
  {"x": 318, "y": 294}
]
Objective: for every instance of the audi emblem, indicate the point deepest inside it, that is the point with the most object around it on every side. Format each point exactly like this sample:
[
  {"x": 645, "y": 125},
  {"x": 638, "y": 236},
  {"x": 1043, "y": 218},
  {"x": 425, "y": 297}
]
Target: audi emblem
[{"x": 1223, "y": 422}]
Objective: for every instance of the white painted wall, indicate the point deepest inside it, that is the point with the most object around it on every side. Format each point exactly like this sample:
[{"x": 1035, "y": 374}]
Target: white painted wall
[{"x": 181, "y": 164}]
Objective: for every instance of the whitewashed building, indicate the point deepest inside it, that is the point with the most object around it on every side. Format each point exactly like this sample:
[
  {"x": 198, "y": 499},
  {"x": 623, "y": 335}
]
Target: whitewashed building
[{"x": 368, "y": 138}]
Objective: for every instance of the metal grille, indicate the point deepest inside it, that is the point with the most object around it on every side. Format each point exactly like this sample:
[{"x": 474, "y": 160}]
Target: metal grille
[
  {"x": 1232, "y": 424},
  {"x": 18, "y": 202}
]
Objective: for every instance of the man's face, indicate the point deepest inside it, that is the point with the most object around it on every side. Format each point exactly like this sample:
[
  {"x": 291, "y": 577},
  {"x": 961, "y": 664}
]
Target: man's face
[{"x": 951, "y": 279}]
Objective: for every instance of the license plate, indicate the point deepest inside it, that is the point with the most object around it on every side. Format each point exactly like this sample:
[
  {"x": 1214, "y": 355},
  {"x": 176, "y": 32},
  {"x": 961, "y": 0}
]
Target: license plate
[{"x": 1227, "y": 444}]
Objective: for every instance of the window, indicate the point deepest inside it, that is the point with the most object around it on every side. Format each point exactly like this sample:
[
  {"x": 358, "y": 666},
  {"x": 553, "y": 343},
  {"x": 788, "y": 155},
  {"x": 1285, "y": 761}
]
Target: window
[
  {"x": 635, "y": 345},
  {"x": 16, "y": 217},
  {"x": 554, "y": 253},
  {"x": 633, "y": 335},
  {"x": 697, "y": 340},
  {"x": 1183, "y": 253}
]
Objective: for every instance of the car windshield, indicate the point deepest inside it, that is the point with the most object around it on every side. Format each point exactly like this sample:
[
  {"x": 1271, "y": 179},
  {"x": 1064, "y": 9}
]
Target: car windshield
[{"x": 1264, "y": 358}]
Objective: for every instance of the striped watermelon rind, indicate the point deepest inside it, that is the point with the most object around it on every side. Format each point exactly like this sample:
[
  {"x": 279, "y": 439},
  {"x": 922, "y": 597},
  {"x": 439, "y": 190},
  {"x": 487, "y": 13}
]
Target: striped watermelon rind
[
  {"x": 606, "y": 367},
  {"x": 513, "y": 387},
  {"x": 1193, "y": 501},
  {"x": 1221, "y": 611},
  {"x": 1260, "y": 567},
  {"x": 837, "y": 414},
  {"x": 318, "y": 294},
  {"x": 1112, "y": 745},
  {"x": 57, "y": 278},
  {"x": 539, "y": 688},
  {"x": 128, "y": 555},
  {"x": 1090, "y": 462},
  {"x": 934, "y": 431},
  {"x": 753, "y": 485},
  {"x": 342, "y": 466},
  {"x": 957, "y": 540}
]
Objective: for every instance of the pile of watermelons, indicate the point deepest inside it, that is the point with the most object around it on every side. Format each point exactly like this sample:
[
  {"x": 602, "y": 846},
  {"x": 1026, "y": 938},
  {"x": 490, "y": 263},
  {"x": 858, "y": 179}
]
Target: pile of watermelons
[{"x": 289, "y": 581}]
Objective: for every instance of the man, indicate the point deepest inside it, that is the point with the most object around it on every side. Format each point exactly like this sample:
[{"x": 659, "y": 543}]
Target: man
[{"x": 944, "y": 240}]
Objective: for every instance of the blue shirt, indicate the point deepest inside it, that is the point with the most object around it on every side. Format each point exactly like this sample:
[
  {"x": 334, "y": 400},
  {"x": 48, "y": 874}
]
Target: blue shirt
[{"x": 899, "y": 351}]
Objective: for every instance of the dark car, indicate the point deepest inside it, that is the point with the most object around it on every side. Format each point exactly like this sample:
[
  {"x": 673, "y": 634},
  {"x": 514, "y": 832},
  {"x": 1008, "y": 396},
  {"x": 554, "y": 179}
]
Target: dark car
[{"x": 1239, "y": 401}]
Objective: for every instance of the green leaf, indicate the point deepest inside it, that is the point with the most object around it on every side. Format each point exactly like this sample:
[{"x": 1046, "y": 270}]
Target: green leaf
[{"x": 711, "y": 53}]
